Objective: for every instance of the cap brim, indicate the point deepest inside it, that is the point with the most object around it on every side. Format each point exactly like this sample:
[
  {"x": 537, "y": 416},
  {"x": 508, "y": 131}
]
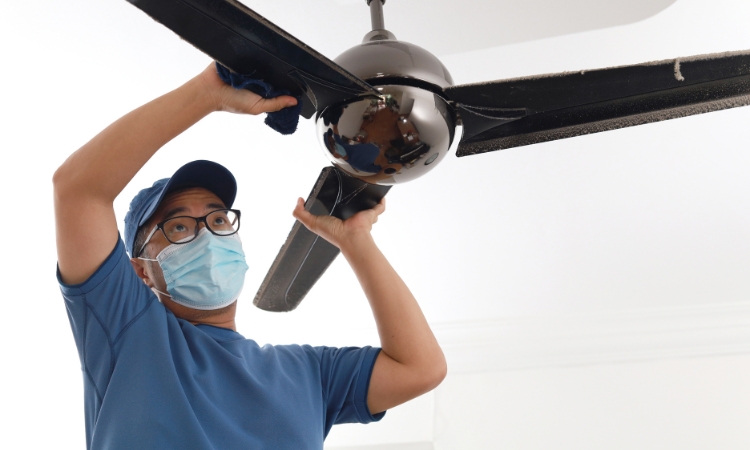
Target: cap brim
[{"x": 204, "y": 174}]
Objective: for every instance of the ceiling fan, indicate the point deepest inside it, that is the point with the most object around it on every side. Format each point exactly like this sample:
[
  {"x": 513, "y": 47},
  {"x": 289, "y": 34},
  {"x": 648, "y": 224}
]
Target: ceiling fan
[{"x": 387, "y": 111}]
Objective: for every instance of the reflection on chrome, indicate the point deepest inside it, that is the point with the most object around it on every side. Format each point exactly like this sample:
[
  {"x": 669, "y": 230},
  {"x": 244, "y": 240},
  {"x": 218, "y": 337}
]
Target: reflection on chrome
[{"x": 394, "y": 138}]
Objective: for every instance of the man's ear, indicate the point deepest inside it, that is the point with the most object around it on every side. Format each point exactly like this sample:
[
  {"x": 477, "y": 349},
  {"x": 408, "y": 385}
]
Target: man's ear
[{"x": 139, "y": 266}]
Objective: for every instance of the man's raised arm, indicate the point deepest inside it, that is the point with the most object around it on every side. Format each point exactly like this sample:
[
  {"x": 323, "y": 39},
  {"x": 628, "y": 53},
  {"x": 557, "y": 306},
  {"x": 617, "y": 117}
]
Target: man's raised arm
[
  {"x": 87, "y": 183},
  {"x": 411, "y": 361}
]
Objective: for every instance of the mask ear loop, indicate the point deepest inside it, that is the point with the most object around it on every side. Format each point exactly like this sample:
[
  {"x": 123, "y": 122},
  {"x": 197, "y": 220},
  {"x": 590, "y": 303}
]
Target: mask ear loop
[
  {"x": 148, "y": 238},
  {"x": 153, "y": 288},
  {"x": 162, "y": 293}
]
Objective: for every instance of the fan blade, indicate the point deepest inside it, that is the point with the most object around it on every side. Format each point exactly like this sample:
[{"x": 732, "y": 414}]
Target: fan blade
[
  {"x": 305, "y": 256},
  {"x": 575, "y": 103},
  {"x": 242, "y": 40}
]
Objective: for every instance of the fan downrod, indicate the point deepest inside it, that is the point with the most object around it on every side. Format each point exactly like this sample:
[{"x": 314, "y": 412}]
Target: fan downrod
[
  {"x": 378, "y": 33},
  {"x": 376, "y": 14}
]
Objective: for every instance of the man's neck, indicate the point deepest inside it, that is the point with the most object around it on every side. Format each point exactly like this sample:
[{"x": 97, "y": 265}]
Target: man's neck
[
  {"x": 222, "y": 318},
  {"x": 229, "y": 323}
]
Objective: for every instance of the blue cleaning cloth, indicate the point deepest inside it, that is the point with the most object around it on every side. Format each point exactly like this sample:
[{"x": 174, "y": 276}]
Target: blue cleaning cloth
[{"x": 284, "y": 121}]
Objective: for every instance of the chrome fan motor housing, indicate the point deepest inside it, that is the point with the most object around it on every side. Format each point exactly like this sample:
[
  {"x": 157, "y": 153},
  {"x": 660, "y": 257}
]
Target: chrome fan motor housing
[
  {"x": 401, "y": 134},
  {"x": 382, "y": 56}
]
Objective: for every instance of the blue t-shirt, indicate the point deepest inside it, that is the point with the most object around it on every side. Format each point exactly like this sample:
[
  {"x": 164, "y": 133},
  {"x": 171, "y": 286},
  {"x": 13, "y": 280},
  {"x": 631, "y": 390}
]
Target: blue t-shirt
[{"x": 153, "y": 381}]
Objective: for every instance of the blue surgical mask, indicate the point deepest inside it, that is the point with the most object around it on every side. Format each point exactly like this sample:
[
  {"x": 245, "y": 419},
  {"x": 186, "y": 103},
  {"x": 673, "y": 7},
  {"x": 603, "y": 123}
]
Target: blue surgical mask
[{"x": 206, "y": 273}]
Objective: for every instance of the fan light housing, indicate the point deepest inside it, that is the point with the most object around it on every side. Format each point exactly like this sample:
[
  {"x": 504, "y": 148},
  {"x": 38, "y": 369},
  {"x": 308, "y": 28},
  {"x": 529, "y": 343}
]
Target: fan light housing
[{"x": 401, "y": 134}]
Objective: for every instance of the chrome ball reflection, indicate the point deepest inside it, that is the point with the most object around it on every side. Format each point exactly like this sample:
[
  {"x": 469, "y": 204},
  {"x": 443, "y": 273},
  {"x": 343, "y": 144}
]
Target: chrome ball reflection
[{"x": 391, "y": 139}]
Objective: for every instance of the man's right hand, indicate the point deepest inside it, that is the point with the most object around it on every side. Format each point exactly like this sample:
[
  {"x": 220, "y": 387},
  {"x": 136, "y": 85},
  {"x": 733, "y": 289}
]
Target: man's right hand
[{"x": 241, "y": 101}]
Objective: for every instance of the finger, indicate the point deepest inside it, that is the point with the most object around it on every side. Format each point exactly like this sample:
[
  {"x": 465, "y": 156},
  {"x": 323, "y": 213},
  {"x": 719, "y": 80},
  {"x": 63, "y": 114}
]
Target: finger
[
  {"x": 275, "y": 104},
  {"x": 379, "y": 208},
  {"x": 305, "y": 217},
  {"x": 299, "y": 208}
]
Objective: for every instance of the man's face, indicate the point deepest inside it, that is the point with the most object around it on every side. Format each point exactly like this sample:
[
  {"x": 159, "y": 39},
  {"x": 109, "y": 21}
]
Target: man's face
[{"x": 194, "y": 202}]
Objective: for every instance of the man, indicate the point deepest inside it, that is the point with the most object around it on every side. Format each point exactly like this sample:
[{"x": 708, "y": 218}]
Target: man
[{"x": 163, "y": 365}]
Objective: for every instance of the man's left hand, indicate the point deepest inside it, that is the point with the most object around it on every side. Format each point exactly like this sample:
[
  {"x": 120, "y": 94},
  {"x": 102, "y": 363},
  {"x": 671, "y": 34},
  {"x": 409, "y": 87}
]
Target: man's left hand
[{"x": 341, "y": 233}]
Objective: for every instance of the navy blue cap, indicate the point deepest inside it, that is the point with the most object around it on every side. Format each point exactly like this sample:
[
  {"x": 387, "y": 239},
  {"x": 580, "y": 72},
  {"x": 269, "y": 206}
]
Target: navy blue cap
[{"x": 206, "y": 174}]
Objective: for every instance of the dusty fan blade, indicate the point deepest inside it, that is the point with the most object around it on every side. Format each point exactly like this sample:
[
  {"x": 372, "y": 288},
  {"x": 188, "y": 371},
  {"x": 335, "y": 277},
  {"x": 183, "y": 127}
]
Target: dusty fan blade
[
  {"x": 242, "y": 40},
  {"x": 305, "y": 256},
  {"x": 575, "y": 103}
]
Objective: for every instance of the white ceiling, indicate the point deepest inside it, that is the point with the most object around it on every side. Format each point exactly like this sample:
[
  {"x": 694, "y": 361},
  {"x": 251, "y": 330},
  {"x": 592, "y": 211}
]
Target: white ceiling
[
  {"x": 651, "y": 217},
  {"x": 446, "y": 27}
]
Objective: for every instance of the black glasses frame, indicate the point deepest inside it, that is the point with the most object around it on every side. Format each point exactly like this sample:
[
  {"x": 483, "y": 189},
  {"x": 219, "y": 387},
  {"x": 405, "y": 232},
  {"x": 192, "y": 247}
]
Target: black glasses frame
[{"x": 198, "y": 221}]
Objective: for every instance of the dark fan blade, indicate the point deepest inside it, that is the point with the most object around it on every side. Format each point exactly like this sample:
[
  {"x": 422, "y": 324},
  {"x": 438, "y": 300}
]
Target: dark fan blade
[
  {"x": 245, "y": 42},
  {"x": 305, "y": 256},
  {"x": 575, "y": 103}
]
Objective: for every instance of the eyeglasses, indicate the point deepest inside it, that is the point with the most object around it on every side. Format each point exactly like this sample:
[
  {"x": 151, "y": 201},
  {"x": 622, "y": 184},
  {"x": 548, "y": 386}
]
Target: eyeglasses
[{"x": 184, "y": 229}]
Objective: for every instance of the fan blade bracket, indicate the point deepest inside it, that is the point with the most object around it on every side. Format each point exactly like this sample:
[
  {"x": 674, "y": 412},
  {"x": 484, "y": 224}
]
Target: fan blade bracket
[
  {"x": 322, "y": 94},
  {"x": 305, "y": 256},
  {"x": 477, "y": 119}
]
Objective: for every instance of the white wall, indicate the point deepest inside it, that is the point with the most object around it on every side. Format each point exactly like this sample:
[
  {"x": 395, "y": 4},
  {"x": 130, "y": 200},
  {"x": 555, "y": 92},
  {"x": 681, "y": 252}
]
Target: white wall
[
  {"x": 680, "y": 404},
  {"x": 675, "y": 378},
  {"x": 700, "y": 403}
]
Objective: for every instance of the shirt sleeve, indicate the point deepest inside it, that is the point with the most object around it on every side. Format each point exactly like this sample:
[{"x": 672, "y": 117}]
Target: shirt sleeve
[
  {"x": 345, "y": 376},
  {"x": 101, "y": 308}
]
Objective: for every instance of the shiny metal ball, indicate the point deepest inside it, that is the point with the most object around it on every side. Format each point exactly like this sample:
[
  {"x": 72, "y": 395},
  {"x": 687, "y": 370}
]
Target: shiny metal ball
[{"x": 405, "y": 131}]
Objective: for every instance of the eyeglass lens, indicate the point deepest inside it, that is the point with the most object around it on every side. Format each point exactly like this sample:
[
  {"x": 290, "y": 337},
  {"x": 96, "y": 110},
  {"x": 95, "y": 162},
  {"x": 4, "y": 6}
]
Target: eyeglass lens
[{"x": 182, "y": 229}]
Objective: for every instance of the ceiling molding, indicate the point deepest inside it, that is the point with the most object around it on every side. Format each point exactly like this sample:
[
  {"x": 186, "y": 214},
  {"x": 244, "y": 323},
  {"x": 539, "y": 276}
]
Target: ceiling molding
[{"x": 595, "y": 338}]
